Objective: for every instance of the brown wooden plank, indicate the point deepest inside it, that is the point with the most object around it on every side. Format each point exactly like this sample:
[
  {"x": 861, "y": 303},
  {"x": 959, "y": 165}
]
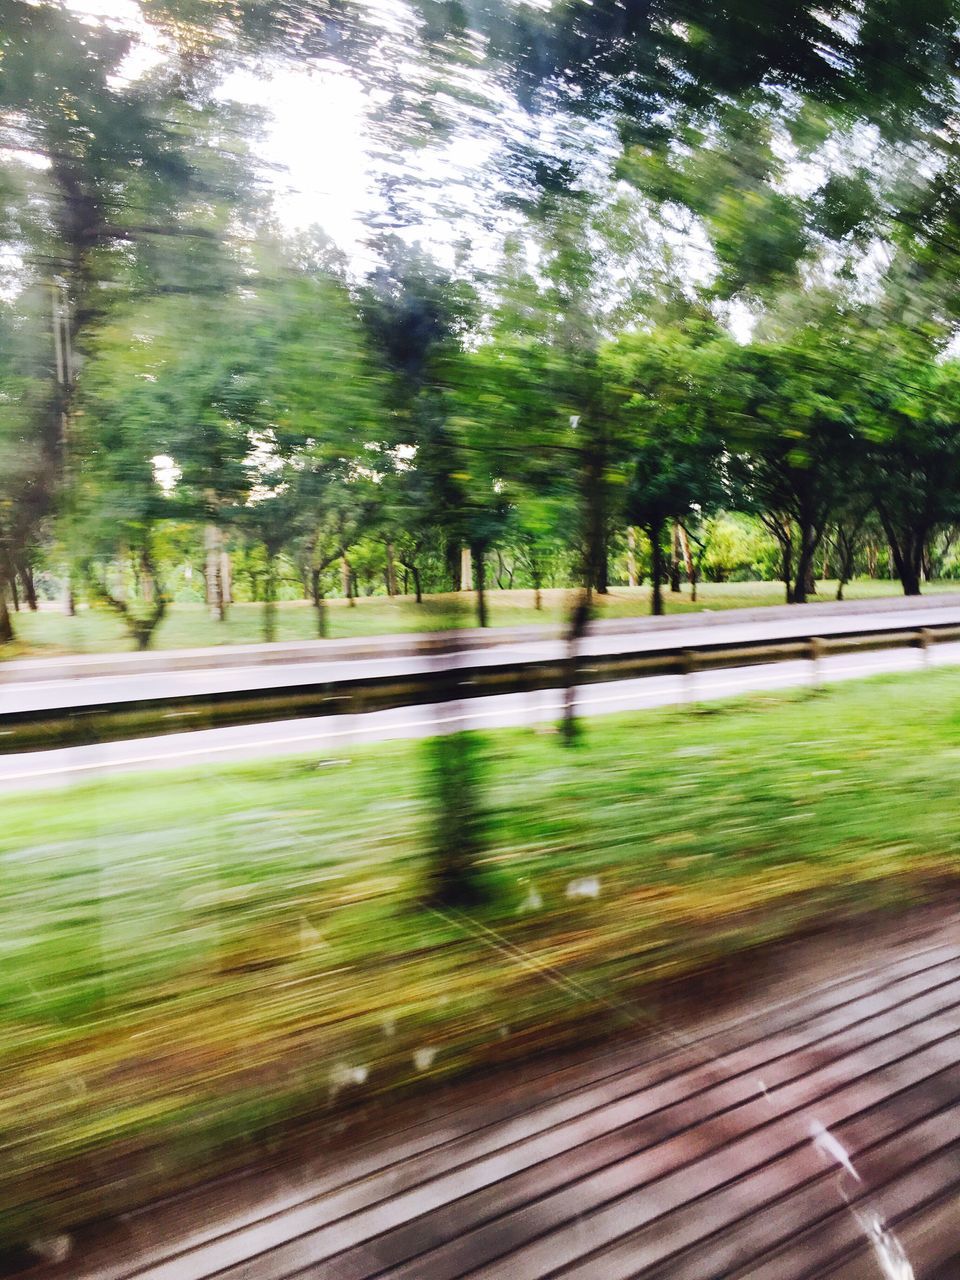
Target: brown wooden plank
[
  {"x": 277, "y": 1229},
  {"x": 833, "y": 1241},
  {"x": 320, "y": 1245},
  {"x": 427, "y": 1153},
  {"x": 630, "y": 1135},
  {"x": 560, "y": 1228},
  {"x": 929, "y": 1231},
  {"x": 752, "y": 1215}
]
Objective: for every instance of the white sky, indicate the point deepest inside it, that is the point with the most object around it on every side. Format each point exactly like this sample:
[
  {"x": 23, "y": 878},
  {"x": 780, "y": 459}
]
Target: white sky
[
  {"x": 314, "y": 139},
  {"x": 318, "y": 155},
  {"x": 316, "y": 135}
]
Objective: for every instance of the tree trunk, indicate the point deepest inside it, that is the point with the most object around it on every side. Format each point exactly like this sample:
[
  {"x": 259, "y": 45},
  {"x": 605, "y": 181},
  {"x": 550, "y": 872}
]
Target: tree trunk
[
  {"x": 781, "y": 531},
  {"x": 480, "y": 575},
  {"x": 213, "y": 546},
  {"x": 579, "y": 621},
  {"x": 348, "y": 581},
  {"x": 69, "y": 600},
  {"x": 29, "y": 587},
  {"x": 655, "y": 534},
  {"x": 631, "y": 556},
  {"x": 270, "y": 600},
  {"x": 872, "y": 559},
  {"x": 906, "y": 551},
  {"x": 911, "y": 582},
  {"x": 6, "y": 626},
  {"x": 14, "y": 593},
  {"x": 140, "y": 626},
  {"x": 786, "y": 551},
  {"x": 593, "y": 497},
  {"x": 410, "y": 568},
  {"x": 907, "y": 563},
  {"x": 675, "y": 558},
  {"x": 805, "y": 583},
  {"x": 453, "y": 558},
  {"x": 603, "y": 566},
  {"x": 688, "y": 561},
  {"x": 466, "y": 569},
  {"x": 456, "y": 839},
  {"x": 846, "y": 549},
  {"x": 801, "y": 584},
  {"x": 319, "y": 603},
  {"x": 144, "y": 627}
]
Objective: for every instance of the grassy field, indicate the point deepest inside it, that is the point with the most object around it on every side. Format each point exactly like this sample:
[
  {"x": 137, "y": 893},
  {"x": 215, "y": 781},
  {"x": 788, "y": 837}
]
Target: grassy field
[
  {"x": 189, "y": 959},
  {"x": 190, "y": 625}
]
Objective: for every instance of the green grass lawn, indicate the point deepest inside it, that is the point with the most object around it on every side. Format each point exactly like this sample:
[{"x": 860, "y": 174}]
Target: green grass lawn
[
  {"x": 191, "y": 958},
  {"x": 191, "y": 626}
]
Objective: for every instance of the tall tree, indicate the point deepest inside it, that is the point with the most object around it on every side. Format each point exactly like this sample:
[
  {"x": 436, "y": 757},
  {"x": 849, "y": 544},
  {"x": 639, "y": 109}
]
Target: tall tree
[
  {"x": 913, "y": 463},
  {"x": 658, "y": 386},
  {"x": 792, "y": 413},
  {"x": 125, "y": 186}
]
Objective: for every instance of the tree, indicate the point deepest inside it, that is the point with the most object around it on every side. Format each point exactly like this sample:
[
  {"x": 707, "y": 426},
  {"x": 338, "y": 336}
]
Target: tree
[
  {"x": 334, "y": 503},
  {"x": 24, "y": 495},
  {"x": 322, "y": 404},
  {"x": 194, "y": 362},
  {"x": 128, "y": 188},
  {"x": 418, "y": 317},
  {"x": 791, "y": 411},
  {"x": 913, "y": 464},
  {"x": 658, "y": 391},
  {"x": 118, "y": 507}
]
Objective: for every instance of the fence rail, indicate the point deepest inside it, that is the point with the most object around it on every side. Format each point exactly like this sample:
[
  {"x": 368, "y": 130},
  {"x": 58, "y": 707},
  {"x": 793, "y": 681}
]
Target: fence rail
[{"x": 48, "y": 728}]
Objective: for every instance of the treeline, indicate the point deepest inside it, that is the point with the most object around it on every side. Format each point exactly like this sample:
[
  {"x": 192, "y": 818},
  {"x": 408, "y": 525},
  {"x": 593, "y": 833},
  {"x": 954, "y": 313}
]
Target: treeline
[
  {"x": 722, "y": 300},
  {"x": 300, "y": 433}
]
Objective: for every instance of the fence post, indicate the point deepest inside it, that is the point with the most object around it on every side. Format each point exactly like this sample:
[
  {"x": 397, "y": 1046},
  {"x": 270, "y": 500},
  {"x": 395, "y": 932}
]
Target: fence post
[
  {"x": 924, "y": 641},
  {"x": 688, "y": 666},
  {"x": 817, "y": 647}
]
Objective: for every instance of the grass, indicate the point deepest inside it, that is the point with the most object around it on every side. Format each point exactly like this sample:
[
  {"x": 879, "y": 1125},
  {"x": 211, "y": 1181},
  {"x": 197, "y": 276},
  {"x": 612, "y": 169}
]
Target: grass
[
  {"x": 189, "y": 960},
  {"x": 191, "y": 626}
]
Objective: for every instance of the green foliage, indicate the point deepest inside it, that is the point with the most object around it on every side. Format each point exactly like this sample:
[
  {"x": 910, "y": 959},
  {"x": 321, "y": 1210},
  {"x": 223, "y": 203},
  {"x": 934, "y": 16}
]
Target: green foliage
[
  {"x": 158, "y": 907},
  {"x": 656, "y": 390},
  {"x": 208, "y": 373},
  {"x": 737, "y": 548}
]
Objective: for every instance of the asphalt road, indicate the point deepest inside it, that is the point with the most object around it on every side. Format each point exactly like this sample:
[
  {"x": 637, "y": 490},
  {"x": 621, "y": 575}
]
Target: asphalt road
[
  {"x": 324, "y": 734},
  {"x": 43, "y": 688}
]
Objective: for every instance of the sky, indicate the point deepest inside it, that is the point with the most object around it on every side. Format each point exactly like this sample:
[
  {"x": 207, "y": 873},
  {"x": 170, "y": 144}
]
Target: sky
[
  {"x": 318, "y": 156},
  {"x": 314, "y": 141},
  {"x": 315, "y": 133}
]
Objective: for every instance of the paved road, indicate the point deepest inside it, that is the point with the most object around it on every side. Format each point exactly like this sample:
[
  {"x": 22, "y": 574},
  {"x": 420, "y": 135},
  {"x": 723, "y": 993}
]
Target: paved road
[
  {"x": 328, "y": 733},
  {"x": 39, "y": 691}
]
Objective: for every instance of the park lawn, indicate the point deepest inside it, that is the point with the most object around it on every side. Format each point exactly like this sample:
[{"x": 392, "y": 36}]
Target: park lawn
[
  {"x": 190, "y": 959},
  {"x": 188, "y": 626}
]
